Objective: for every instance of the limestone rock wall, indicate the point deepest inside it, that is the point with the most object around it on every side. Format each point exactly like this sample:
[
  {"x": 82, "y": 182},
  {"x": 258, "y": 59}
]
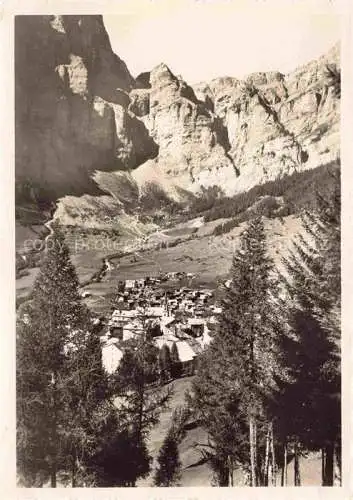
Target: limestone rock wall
[
  {"x": 237, "y": 133},
  {"x": 71, "y": 106},
  {"x": 79, "y": 110},
  {"x": 278, "y": 123}
]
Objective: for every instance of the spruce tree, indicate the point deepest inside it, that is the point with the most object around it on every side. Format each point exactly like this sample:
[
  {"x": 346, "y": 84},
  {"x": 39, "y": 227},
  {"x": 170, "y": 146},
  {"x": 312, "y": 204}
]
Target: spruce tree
[
  {"x": 141, "y": 400},
  {"x": 175, "y": 361},
  {"x": 119, "y": 459},
  {"x": 215, "y": 405},
  {"x": 168, "y": 468},
  {"x": 236, "y": 375},
  {"x": 86, "y": 393},
  {"x": 58, "y": 378},
  {"x": 165, "y": 363},
  {"x": 314, "y": 286},
  {"x": 35, "y": 432}
]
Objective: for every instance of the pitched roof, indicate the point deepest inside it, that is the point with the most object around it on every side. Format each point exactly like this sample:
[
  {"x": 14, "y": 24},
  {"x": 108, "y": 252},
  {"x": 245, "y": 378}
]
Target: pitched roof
[
  {"x": 196, "y": 321},
  {"x": 111, "y": 356},
  {"x": 167, "y": 339},
  {"x": 186, "y": 353}
]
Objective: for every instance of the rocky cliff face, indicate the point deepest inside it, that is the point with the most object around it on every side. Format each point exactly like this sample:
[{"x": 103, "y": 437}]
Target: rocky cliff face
[
  {"x": 193, "y": 141},
  {"x": 71, "y": 106},
  {"x": 278, "y": 123},
  {"x": 79, "y": 111},
  {"x": 237, "y": 134}
]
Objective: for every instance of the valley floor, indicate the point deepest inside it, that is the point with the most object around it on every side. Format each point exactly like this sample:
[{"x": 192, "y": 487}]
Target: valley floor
[{"x": 206, "y": 256}]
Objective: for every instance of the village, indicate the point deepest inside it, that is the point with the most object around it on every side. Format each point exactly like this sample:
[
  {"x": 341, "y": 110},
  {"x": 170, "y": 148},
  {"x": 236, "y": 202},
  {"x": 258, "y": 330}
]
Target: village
[{"x": 174, "y": 314}]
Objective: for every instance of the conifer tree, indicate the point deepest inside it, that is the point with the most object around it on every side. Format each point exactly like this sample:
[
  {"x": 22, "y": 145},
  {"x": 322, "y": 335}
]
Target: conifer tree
[
  {"x": 236, "y": 374},
  {"x": 165, "y": 363},
  {"x": 168, "y": 469},
  {"x": 119, "y": 460},
  {"x": 180, "y": 417},
  {"x": 314, "y": 356},
  {"x": 35, "y": 460},
  {"x": 56, "y": 387},
  {"x": 175, "y": 361},
  {"x": 216, "y": 407},
  {"x": 86, "y": 393},
  {"x": 141, "y": 400}
]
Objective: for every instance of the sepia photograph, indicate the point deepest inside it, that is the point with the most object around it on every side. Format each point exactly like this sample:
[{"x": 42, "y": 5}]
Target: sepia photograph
[{"x": 178, "y": 246}]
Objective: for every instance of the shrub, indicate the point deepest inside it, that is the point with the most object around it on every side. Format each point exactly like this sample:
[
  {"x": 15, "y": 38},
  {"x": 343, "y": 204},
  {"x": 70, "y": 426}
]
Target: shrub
[
  {"x": 206, "y": 200},
  {"x": 225, "y": 227},
  {"x": 154, "y": 197}
]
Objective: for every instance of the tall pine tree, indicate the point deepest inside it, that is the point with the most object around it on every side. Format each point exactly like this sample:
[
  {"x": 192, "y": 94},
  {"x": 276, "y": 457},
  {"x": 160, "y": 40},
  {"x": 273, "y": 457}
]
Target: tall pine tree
[
  {"x": 236, "y": 375},
  {"x": 59, "y": 380},
  {"x": 314, "y": 286},
  {"x": 165, "y": 364},
  {"x": 168, "y": 468},
  {"x": 168, "y": 471}
]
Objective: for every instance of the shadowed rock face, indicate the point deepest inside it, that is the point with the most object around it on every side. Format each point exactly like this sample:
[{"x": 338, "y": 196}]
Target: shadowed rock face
[{"x": 71, "y": 107}]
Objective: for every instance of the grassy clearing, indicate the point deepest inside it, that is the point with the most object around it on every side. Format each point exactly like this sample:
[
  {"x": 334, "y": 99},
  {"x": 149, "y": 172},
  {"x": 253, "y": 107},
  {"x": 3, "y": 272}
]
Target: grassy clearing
[{"x": 209, "y": 257}]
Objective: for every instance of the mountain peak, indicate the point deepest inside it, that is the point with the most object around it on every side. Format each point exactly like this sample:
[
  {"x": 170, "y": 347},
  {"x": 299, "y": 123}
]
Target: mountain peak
[{"x": 161, "y": 74}]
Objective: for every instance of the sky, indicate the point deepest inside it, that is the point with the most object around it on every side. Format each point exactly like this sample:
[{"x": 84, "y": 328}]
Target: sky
[{"x": 205, "y": 39}]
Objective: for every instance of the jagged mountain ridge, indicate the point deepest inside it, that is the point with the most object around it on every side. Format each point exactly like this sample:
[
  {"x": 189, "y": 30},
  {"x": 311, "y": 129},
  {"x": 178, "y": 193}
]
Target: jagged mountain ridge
[
  {"x": 79, "y": 113},
  {"x": 238, "y": 133}
]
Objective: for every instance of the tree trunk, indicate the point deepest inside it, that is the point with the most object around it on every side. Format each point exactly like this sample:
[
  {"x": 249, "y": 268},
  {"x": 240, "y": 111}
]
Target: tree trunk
[
  {"x": 256, "y": 455},
  {"x": 322, "y": 466},
  {"x": 252, "y": 451},
  {"x": 328, "y": 476},
  {"x": 230, "y": 467},
  {"x": 267, "y": 452},
  {"x": 223, "y": 474},
  {"x": 53, "y": 476},
  {"x": 54, "y": 437},
  {"x": 338, "y": 466},
  {"x": 141, "y": 395},
  {"x": 73, "y": 470},
  {"x": 297, "y": 481},
  {"x": 273, "y": 457},
  {"x": 284, "y": 467}
]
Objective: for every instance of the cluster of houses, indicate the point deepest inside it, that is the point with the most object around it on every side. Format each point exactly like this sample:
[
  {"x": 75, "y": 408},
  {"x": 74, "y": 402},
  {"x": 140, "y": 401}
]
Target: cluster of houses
[
  {"x": 181, "y": 316},
  {"x": 150, "y": 292}
]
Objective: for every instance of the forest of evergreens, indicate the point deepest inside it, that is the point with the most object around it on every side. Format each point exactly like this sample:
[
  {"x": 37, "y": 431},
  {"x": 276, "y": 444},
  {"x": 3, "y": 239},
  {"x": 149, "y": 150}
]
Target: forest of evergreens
[
  {"x": 266, "y": 389},
  {"x": 269, "y": 385},
  {"x": 298, "y": 191}
]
